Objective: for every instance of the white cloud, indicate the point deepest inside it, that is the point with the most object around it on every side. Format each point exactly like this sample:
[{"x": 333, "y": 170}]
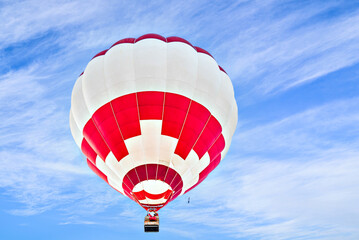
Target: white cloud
[
  {"x": 41, "y": 167},
  {"x": 273, "y": 53},
  {"x": 333, "y": 125},
  {"x": 24, "y": 20}
]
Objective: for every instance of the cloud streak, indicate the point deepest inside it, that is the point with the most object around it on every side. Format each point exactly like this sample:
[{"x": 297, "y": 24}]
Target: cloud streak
[
  {"x": 290, "y": 49},
  {"x": 40, "y": 166}
]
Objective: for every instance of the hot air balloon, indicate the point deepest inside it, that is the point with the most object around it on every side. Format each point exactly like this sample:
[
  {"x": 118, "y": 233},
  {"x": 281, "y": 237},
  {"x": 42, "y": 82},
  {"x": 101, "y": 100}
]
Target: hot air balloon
[{"x": 153, "y": 116}]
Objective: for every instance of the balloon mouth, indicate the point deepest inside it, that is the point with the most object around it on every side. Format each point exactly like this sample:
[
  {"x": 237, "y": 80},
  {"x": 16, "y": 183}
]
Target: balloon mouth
[{"x": 152, "y": 194}]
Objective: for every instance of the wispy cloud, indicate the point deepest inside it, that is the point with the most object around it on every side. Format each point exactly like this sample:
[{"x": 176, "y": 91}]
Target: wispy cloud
[
  {"x": 332, "y": 125},
  {"x": 40, "y": 163},
  {"x": 34, "y": 18},
  {"x": 283, "y": 45}
]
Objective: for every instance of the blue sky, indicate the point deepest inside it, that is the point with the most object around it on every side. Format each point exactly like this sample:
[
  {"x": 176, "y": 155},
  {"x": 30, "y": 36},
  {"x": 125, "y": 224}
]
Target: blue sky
[{"x": 292, "y": 169}]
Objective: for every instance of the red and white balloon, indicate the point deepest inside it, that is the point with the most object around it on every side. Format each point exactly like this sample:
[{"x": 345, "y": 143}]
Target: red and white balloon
[{"x": 154, "y": 116}]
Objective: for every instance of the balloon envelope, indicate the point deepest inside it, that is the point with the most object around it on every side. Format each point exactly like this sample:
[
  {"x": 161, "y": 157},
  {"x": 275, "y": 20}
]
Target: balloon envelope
[{"x": 154, "y": 116}]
